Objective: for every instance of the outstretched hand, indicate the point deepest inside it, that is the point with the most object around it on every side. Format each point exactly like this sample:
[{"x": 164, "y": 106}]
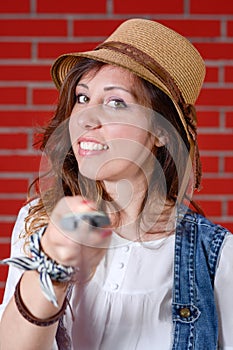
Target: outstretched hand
[{"x": 84, "y": 246}]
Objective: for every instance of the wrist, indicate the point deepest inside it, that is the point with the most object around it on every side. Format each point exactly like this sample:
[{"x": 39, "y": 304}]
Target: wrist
[
  {"x": 43, "y": 315},
  {"x": 48, "y": 269},
  {"x": 34, "y": 297}
]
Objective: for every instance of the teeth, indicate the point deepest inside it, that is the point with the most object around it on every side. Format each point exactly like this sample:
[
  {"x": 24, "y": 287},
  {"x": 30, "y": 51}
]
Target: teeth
[{"x": 91, "y": 146}]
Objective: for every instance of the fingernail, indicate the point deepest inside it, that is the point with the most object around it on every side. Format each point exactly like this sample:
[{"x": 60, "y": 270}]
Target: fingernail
[
  {"x": 85, "y": 201},
  {"x": 105, "y": 233}
]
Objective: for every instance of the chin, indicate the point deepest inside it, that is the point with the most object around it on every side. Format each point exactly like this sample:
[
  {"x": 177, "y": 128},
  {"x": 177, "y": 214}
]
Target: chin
[
  {"x": 113, "y": 170},
  {"x": 89, "y": 173}
]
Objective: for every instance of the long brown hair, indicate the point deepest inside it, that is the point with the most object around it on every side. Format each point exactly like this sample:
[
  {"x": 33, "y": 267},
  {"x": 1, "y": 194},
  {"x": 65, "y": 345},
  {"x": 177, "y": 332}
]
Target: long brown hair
[{"x": 64, "y": 178}]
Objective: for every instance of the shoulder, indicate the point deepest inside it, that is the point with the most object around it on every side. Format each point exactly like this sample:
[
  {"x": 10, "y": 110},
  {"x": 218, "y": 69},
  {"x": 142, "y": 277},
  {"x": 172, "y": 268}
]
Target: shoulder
[
  {"x": 19, "y": 226},
  {"x": 188, "y": 216},
  {"x": 24, "y": 210},
  {"x": 205, "y": 229}
]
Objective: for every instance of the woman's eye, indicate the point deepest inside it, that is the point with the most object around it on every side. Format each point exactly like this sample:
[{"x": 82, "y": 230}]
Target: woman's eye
[
  {"x": 82, "y": 99},
  {"x": 117, "y": 104}
]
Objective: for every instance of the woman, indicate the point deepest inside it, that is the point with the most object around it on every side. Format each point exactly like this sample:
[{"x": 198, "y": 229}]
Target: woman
[{"x": 153, "y": 273}]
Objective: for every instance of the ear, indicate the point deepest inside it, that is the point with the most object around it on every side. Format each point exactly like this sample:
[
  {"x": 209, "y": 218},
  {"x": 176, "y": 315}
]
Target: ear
[{"x": 161, "y": 137}]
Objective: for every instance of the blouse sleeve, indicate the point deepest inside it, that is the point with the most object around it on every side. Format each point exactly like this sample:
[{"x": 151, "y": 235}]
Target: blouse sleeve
[
  {"x": 16, "y": 251},
  {"x": 224, "y": 294}
]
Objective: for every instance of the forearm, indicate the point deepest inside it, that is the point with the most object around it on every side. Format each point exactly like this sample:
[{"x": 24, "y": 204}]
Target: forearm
[{"x": 18, "y": 333}]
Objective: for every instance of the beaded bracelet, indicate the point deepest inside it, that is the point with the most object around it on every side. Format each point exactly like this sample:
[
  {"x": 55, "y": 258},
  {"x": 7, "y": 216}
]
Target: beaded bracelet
[
  {"x": 23, "y": 310},
  {"x": 47, "y": 268}
]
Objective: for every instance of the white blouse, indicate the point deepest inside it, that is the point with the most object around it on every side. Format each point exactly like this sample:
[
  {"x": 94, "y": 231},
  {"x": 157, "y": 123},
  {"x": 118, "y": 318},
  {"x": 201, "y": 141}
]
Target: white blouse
[{"x": 127, "y": 304}]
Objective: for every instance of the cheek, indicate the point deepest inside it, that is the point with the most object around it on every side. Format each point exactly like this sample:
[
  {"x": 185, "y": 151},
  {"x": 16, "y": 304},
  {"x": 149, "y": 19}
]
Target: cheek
[
  {"x": 137, "y": 137},
  {"x": 131, "y": 145},
  {"x": 126, "y": 132}
]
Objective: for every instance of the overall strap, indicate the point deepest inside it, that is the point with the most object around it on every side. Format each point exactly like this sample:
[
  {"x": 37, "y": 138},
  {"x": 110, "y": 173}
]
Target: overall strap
[
  {"x": 197, "y": 246},
  {"x": 184, "y": 310}
]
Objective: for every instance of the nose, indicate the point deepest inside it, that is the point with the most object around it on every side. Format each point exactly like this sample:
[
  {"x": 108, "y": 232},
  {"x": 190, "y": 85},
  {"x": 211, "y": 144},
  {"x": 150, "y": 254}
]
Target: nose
[{"x": 90, "y": 118}]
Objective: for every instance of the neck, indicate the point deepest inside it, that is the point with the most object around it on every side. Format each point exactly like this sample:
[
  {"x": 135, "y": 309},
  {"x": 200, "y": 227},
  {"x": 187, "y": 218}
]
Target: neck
[
  {"x": 155, "y": 221},
  {"x": 128, "y": 195}
]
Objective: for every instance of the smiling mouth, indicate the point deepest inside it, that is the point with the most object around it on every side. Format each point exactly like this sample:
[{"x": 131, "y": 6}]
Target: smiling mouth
[{"x": 92, "y": 146}]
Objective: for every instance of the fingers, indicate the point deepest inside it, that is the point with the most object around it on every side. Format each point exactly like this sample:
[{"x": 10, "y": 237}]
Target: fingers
[
  {"x": 89, "y": 228},
  {"x": 94, "y": 219},
  {"x": 77, "y": 232},
  {"x": 78, "y": 220}
]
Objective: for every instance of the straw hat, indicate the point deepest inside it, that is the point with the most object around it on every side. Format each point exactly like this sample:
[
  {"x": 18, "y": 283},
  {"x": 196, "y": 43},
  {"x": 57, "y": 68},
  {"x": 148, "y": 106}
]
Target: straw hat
[
  {"x": 155, "y": 53},
  {"x": 151, "y": 51}
]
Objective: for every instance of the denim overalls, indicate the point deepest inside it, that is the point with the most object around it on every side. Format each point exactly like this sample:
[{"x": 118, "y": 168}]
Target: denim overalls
[{"x": 197, "y": 246}]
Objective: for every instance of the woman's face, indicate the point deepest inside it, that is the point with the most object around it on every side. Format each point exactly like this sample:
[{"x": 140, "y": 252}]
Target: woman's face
[{"x": 109, "y": 127}]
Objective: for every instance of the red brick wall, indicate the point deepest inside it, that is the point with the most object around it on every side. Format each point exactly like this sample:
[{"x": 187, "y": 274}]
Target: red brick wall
[{"x": 34, "y": 32}]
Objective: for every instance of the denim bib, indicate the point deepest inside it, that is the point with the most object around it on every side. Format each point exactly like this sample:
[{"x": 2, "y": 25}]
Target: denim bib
[{"x": 197, "y": 246}]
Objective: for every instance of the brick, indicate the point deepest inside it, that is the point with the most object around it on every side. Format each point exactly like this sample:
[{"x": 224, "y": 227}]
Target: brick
[
  {"x": 19, "y": 163},
  {"x": 37, "y": 137},
  {"x": 71, "y": 6},
  {"x": 53, "y": 50},
  {"x": 10, "y": 206},
  {"x": 228, "y": 164},
  {"x": 215, "y": 51},
  {"x": 15, "y": 6},
  {"x": 25, "y": 73},
  {"x": 5, "y": 250},
  {"x": 45, "y": 96},
  {"x": 24, "y": 118},
  {"x": 229, "y": 119},
  {"x": 13, "y": 141},
  {"x": 3, "y": 270},
  {"x": 230, "y": 28},
  {"x": 194, "y": 28},
  {"x": 206, "y": 119},
  {"x": 211, "y": 75},
  {"x": 210, "y": 164},
  {"x": 33, "y": 27},
  {"x": 12, "y": 95},
  {"x": 95, "y": 27},
  {"x": 210, "y": 208},
  {"x": 13, "y": 185},
  {"x": 215, "y": 97},
  {"x": 6, "y": 229},
  {"x": 217, "y": 186},
  {"x": 1, "y": 294},
  {"x": 220, "y": 142},
  {"x": 211, "y": 7},
  {"x": 229, "y": 74},
  {"x": 15, "y": 50},
  {"x": 148, "y": 6},
  {"x": 230, "y": 208}
]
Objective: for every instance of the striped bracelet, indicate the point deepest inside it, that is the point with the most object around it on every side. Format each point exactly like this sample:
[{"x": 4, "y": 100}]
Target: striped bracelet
[{"x": 49, "y": 270}]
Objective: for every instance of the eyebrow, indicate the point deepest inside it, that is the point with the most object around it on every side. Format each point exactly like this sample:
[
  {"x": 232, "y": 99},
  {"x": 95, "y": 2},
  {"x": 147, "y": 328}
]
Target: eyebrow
[
  {"x": 83, "y": 85},
  {"x": 108, "y": 88}
]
